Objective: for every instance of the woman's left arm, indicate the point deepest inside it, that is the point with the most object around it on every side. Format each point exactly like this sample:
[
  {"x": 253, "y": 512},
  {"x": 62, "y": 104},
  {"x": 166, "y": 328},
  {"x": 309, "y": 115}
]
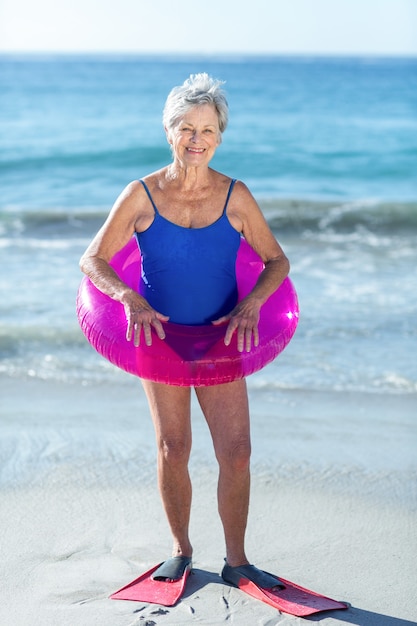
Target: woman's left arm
[{"x": 246, "y": 216}]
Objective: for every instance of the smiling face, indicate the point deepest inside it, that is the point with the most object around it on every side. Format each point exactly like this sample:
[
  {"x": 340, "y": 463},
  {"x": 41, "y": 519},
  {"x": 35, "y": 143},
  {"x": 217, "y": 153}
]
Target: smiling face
[{"x": 195, "y": 137}]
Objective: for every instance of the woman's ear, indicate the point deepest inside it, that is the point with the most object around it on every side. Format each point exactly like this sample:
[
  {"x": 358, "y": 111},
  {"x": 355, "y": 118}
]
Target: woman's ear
[{"x": 169, "y": 140}]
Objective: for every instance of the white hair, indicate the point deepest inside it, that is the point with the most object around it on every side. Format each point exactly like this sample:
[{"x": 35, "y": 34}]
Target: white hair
[{"x": 198, "y": 89}]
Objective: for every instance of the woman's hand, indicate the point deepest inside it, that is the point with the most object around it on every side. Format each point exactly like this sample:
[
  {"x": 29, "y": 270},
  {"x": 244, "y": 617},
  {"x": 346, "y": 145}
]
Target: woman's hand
[
  {"x": 244, "y": 320},
  {"x": 142, "y": 317}
]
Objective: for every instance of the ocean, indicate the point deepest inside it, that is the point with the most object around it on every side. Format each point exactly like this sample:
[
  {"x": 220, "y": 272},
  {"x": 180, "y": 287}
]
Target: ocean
[{"x": 328, "y": 147}]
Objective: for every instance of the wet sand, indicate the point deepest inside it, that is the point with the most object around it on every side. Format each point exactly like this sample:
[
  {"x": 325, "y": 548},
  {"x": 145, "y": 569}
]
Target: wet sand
[{"x": 333, "y": 507}]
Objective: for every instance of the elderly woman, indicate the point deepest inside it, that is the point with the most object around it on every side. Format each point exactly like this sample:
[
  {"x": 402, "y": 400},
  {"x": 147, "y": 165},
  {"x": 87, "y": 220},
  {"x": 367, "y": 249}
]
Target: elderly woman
[{"x": 187, "y": 201}]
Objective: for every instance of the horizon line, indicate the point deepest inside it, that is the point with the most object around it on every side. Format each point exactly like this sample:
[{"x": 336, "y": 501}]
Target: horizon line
[{"x": 234, "y": 53}]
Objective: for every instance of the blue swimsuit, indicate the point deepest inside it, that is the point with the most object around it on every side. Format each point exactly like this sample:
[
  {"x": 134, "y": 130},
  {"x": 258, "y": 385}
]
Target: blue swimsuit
[{"x": 189, "y": 273}]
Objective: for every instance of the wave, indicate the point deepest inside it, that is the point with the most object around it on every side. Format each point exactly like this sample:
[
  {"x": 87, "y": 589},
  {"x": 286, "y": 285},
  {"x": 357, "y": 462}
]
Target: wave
[
  {"x": 47, "y": 224},
  {"x": 134, "y": 156},
  {"x": 292, "y": 216},
  {"x": 345, "y": 217},
  {"x": 63, "y": 354}
]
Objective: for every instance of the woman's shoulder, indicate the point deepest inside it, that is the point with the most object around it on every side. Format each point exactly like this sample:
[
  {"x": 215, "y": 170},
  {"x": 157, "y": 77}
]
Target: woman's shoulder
[
  {"x": 242, "y": 205},
  {"x": 242, "y": 195},
  {"x": 221, "y": 181},
  {"x": 133, "y": 201},
  {"x": 135, "y": 190},
  {"x": 155, "y": 178}
]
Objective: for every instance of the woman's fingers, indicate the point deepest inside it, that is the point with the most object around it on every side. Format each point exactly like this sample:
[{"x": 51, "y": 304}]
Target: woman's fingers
[
  {"x": 143, "y": 321},
  {"x": 246, "y": 328},
  {"x": 246, "y": 338}
]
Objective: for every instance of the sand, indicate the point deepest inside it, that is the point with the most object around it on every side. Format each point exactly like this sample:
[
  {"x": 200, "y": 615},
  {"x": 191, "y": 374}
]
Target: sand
[{"x": 333, "y": 507}]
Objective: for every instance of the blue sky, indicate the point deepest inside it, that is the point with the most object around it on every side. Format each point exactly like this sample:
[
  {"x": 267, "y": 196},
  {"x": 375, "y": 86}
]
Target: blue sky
[{"x": 213, "y": 26}]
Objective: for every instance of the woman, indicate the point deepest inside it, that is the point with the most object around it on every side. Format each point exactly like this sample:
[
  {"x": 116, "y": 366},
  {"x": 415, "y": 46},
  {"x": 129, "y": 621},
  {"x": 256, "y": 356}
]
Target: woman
[{"x": 188, "y": 219}]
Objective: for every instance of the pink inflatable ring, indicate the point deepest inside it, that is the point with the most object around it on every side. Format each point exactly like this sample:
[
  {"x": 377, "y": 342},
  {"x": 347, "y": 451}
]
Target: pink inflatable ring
[{"x": 189, "y": 355}]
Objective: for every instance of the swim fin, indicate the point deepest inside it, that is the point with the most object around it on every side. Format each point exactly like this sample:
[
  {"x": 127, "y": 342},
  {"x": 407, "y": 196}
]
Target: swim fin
[
  {"x": 284, "y": 595},
  {"x": 148, "y": 589}
]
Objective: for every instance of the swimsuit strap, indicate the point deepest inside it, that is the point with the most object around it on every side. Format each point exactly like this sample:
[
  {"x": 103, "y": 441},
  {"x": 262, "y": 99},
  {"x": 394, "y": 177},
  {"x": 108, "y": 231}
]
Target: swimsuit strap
[
  {"x": 232, "y": 184},
  {"x": 149, "y": 195},
  {"x": 229, "y": 193}
]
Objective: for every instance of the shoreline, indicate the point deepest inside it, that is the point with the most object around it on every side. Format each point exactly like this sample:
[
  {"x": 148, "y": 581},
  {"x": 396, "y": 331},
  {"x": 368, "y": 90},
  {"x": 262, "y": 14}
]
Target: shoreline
[{"x": 333, "y": 507}]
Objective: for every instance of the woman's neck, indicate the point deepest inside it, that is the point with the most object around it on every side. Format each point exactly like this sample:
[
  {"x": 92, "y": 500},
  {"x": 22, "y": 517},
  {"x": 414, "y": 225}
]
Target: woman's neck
[{"x": 190, "y": 177}]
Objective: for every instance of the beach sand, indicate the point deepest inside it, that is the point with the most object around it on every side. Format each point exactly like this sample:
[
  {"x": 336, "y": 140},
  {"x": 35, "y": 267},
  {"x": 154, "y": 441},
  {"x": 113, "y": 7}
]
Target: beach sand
[{"x": 333, "y": 507}]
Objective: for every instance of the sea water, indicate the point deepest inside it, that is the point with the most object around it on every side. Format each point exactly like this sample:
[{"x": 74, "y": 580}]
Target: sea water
[{"x": 328, "y": 146}]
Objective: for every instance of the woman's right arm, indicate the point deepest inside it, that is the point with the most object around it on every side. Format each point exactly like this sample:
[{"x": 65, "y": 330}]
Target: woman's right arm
[{"x": 130, "y": 212}]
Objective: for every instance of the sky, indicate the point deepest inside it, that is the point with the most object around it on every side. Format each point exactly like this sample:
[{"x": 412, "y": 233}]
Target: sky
[{"x": 347, "y": 27}]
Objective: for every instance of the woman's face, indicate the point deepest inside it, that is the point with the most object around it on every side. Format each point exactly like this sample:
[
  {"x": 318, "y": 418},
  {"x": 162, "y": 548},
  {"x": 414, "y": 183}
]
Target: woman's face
[{"x": 196, "y": 136}]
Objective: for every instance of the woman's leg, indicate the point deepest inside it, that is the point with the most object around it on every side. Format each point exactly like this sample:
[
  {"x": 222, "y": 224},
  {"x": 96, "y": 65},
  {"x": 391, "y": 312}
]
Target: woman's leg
[
  {"x": 226, "y": 410},
  {"x": 170, "y": 410}
]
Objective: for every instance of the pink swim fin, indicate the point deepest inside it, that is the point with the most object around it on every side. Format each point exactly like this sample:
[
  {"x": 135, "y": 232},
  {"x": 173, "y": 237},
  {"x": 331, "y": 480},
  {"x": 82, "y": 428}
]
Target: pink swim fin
[
  {"x": 147, "y": 589},
  {"x": 288, "y": 597}
]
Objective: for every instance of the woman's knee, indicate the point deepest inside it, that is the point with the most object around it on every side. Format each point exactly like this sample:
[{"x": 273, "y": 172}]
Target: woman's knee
[
  {"x": 174, "y": 451},
  {"x": 235, "y": 456}
]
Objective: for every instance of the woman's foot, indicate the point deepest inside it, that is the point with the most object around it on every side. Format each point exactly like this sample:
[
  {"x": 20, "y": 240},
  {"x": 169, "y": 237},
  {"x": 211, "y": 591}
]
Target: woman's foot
[
  {"x": 262, "y": 579},
  {"x": 173, "y": 569}
]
